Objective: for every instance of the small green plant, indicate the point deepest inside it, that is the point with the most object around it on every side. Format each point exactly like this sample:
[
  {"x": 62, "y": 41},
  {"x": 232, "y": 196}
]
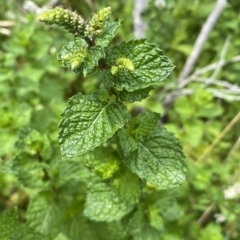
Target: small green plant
[{"x": 117, "y": 171}]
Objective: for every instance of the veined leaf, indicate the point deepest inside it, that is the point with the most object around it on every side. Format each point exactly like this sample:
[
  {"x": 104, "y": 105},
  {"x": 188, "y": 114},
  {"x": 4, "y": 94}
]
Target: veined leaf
[
  {"x": 137, "y": 95},
  {"x": 29, "y": 171},
  {"x": 77, "y": 57},
  {"x": 126, "y": 140},
  {"x": 144, "y": 124},
  {"x": 108, "y": 33},
  {"x": 43, "y": 216},
  {"x": 140, "y": 126},
  {"x": 148, "y": 66},
  {"x": 8, "y": 223},
  {"x": 127, "y": 185},
  {"x": 111, "y": 200},
  {"x": 78, "y": 228},
  {"x": 102, "y": 161},
  {"x": 11, "y": 229},
  {"x": 68, "y": 170},
  {"x": 94, "y": 54},
  {"x": 114, "y": 190},
  {"x": 87, "y": 123},
  {"x": 159, "y": 159},
  {"x": 139, "y": 227},
  {"x": 33, "y": 142}
]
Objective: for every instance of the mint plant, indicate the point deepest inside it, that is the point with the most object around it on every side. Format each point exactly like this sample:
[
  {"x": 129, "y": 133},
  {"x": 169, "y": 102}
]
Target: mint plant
[
  {"x": 127, "y": 72},
  {"x": 116, "y": 173},
  {"x": 119, "y": 148}
]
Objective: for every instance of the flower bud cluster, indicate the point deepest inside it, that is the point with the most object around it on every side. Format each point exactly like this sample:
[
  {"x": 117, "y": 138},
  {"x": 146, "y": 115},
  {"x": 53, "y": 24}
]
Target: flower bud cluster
[
  {"x": 95, "y": 25},
  {"x": 73, "y": 59},
  {"x": 122, "y": 64},
  {"x": 71, "y": 21}
]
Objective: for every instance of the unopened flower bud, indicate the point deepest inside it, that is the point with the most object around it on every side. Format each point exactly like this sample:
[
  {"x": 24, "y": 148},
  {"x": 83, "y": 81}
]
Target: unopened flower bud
[
  {"x": 96, "y": 24},
  {"x": 71, "y": 21}
]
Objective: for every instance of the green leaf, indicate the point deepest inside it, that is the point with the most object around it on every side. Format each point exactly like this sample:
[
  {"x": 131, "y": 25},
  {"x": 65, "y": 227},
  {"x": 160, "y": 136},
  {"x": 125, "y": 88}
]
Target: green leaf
[
  {"x": 163, "y": 203},
  {"x": 148, "y": 66},
  {"x": 42, "y": 215},
  {"x": 88, "y": 123},
  {"x": 140, "y": 228},
  {"x": 8, "y": 224},
  {"x": 144, "y": 124},
  {"x": 32, "y": 142},
  {"x": 29, "y": 170},
  {"x": 155, "y": 219},
  {"x": 68, "y": 170},
  {"x": 110, "y": 230},
  {"x": 111, "y": 200},
  {"x": 78, "y": 228},
  {"x": 103, "y": 161},
  {"x": 140, "y": 126},
  {"x": 104, "y": 204},
  {"x": 159, "y": 159},
  {"x": 127, "y": 185},
  {"x": 91, "y": 61},
  {"x": 11, "y": 229},
  {"x": 126, "y": 140},
  {"x": 137, "y": 95},
  {"x": 79, "y": 58},
  {"x": 25, "y": 233},
  {"x": 108, "y": 33},
  {"x": 15, "y": 115}
]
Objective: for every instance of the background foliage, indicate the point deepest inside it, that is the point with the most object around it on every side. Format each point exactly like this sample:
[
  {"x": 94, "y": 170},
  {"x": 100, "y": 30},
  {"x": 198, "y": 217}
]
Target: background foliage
[{"x": 34, "y": 90}]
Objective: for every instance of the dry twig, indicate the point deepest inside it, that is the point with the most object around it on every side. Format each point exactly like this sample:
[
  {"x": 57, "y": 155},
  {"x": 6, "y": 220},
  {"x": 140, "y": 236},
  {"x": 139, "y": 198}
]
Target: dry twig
[
  {"x": 220, "y": 136},
  {"x": 201, "y": 39}
]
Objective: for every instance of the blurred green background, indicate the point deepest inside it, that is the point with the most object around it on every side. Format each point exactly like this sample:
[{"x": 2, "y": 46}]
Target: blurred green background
[{"x": 34, "y": 89}]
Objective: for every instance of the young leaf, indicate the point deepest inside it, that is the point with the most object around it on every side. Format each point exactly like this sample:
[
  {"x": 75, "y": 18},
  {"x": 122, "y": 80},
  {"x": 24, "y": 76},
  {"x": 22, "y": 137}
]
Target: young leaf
[
  {"x": 29, "y": 171},
  {"x": 68, "y": 170},
  {"x": 87, "y": 123},
  {"x": 158, "y": 159},
  {"x": 144, "y": 124},
  {"x": 102, "y": 161},
  {"x": 144, "y": 66},
  {"x": 104, "y": 204},
  {"x": 76, "y": 56},
  {"x": 127, "y": 142},
  {"x": 140, "y": 228},
  {"x": 32, "y": 142},
  {"x": 111, "y": 200},
  {"x": 109, "y": 31}
]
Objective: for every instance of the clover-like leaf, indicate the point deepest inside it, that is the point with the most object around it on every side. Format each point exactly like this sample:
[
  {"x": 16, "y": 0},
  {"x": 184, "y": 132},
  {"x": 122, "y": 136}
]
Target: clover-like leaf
[
  {"x": 159, "y": 159},
  {"x": 88, "y": 122},
  {"x": 144, "y": 66}
]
